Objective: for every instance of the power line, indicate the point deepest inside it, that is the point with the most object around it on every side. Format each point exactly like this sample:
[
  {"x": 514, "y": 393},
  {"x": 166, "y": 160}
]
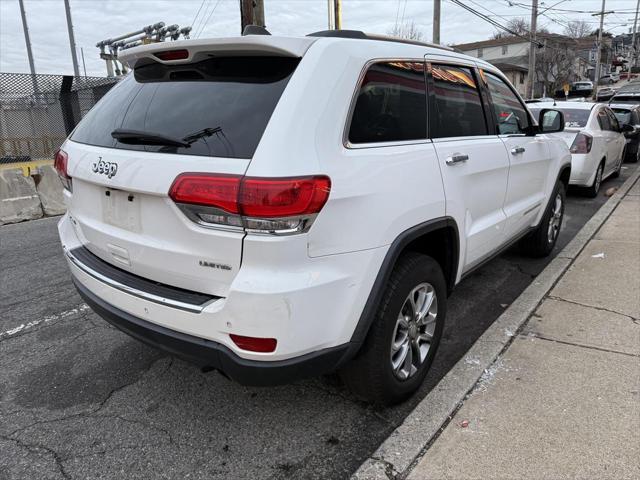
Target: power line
[
  {"x": 196, "y": 28},
  {"x": 197, "y": 13},
  {"x": 492, "y": 21},
  {"x": 208, "y": 18}
]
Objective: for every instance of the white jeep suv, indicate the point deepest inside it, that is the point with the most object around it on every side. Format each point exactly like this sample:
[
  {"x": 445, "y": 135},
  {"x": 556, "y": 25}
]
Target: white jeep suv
[{"x": 275, "y": 208}]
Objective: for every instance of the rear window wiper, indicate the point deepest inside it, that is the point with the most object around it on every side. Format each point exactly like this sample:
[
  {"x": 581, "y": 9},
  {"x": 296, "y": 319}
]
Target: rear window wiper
[
  {"x": 205, "y": 132},
  {"x": 139, "y": 137}
]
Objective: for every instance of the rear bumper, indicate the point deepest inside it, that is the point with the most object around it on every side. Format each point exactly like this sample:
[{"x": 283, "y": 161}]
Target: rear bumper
[{"x": 212, "y": 355}]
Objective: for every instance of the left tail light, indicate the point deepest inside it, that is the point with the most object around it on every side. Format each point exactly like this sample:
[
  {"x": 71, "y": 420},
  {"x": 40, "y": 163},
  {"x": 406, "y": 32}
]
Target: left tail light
[
  {"x": 60, "y": 163},
  {"x": 279, "y": 206}
]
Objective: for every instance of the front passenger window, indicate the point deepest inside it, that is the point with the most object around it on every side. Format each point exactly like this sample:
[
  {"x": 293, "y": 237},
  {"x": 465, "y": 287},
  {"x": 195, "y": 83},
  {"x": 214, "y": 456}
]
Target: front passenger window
[{"x": 510, "y": 113}]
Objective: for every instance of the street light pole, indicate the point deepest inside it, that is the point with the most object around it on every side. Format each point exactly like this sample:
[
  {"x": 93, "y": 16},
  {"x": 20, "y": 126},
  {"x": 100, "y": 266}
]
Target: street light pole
[
  {"x": 72, "y": 40},
  {"x": 532, "y": 49},
  {"x": 27, "y": 39},
  {"x": 436, "y": 21},
  {"x": 634, "y": 53}
]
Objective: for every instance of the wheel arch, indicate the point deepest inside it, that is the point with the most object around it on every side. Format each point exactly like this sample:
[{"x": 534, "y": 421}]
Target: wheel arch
[{"x": 438, "y": 238}]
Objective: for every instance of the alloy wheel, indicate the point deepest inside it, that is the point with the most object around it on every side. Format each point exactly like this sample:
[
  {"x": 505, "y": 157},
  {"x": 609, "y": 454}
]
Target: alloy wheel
[
  {"x": 555, "y": 220},
  {"x": 414, "y": 331}
]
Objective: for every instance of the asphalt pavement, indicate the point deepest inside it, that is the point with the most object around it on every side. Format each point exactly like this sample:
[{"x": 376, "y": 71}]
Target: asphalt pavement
[{"x": 79, "y": 399}]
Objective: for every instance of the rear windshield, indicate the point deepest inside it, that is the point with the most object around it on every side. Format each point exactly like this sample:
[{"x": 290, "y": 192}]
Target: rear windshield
[
  {"x": 219, "y": 106},
  {"x": 633, "y": 99},
  {"x": 573, "y": 117},
  {"x": 623, "y": 116}
]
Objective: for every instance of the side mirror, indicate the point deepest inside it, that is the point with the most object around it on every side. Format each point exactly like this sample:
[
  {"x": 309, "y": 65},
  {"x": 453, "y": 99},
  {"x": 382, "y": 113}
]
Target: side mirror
[
  {"x": 550, "y": 121},
  {"x": 626, "y": 128}
]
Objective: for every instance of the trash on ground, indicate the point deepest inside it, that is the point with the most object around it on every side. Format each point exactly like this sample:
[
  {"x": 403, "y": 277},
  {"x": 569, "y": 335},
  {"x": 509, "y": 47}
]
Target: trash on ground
[{"x": 598, "y": 255}]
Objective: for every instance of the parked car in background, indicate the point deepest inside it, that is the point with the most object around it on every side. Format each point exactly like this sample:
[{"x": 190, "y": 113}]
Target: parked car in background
[
  {"x": 631, "y": 97},
  {"x": 582, "y": 87},
  {"x": 244, "y": 204},
  {"x": 595, "y": 139},
  {"x": 539, "y": 100},
  {"x": 609, "y": 78},
  {"x": 629, "y": 114},
  {"x": 605, "y": 93}
]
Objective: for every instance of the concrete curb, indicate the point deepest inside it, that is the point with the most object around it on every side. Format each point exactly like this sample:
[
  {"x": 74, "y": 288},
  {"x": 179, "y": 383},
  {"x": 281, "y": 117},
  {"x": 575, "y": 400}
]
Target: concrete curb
[{"x": 404, "y": 447}]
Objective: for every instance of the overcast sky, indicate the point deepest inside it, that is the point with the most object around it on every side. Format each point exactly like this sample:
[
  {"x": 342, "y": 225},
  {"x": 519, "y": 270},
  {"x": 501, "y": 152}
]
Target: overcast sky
[{"x": 95, "y": 20}]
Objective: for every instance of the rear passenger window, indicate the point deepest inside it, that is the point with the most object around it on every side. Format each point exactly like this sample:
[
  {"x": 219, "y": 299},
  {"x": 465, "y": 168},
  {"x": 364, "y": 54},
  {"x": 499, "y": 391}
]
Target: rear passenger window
[
  {"x": 511, "y": 115},
  {"x": 458, "y": 108},
  {"x": 391, "y": 104},
  {"x": 603, "y": 120}
]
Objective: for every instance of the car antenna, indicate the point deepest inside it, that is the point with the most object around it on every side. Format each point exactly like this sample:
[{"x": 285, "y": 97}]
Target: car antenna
[{"x": 554, "y": 102}]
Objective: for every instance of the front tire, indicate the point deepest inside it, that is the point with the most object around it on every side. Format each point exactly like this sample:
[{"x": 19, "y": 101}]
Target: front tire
[
  {"x": 541, "y": 241},
  {"x": 404, "y": 336}
]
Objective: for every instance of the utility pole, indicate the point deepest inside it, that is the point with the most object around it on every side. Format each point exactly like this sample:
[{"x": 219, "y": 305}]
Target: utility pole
[
  {"x": 436, "y": 21},
  {"x": 334, "y": 14},
  {"x": 532, "y": 49},
  {"x": 596, "y": 74},
  {"x": 251, "y": 13},
  {"x": 72, "y": 40},
  {"x": 634, "y": 52}
]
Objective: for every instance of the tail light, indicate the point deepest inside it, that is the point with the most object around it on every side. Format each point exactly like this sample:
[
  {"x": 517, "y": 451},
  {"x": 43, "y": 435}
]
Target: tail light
[
  {"x": 60, "y": 163},
  {"x": 254, "y": 344},
  {"x": 582, "y": 143},
  {"x": 277, "y": 206},
  {"x": 172, "y": 55}
]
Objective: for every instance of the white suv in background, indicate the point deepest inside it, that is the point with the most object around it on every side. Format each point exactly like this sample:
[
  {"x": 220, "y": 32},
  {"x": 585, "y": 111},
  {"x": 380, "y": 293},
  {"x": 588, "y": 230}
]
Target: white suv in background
[{"x": 275, "y": 208}]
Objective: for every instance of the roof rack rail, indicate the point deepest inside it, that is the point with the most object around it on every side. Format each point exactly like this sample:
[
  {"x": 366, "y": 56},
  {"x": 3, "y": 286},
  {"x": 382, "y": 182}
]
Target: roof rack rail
[
  {"x": 358, "y": 34},
  {"x": 255, "y": 30}
]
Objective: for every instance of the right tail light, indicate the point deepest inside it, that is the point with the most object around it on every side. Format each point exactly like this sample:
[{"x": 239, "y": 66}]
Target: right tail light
[
  {"x": 278, "y": 206},
  {"x": 582, "y": 143}
]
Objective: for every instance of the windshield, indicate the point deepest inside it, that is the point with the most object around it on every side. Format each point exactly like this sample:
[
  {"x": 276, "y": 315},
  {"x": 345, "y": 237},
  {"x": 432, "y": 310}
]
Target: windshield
[
  {"x": 626, "y": 99},
  {"x": 573, "y": 117},
  {"x": 217, "y": 107},
  {"x": 623, "y": 116}
]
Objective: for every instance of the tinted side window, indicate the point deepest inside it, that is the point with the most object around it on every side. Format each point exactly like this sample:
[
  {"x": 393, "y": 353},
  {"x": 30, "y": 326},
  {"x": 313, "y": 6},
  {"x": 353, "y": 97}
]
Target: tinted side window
[
  {"x": 220, "y": 106},
  {"x": 603, "y": 120},
  {"x": 391, "y": 104},
  {"x": 615, "y": 125},
  {"x": 510, "y": 113},
  {"x": 457, "y": 109}
]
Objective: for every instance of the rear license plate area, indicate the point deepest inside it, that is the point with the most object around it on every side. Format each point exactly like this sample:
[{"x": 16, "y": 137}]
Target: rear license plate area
[{"x": 121, "y": 209}]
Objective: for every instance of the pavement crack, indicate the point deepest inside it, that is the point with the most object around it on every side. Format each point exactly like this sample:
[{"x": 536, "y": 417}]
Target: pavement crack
[
  {"x": 34, "y": 447},
  {"x": 581, "y": 345},
  {"x": 560, "y": 299}
]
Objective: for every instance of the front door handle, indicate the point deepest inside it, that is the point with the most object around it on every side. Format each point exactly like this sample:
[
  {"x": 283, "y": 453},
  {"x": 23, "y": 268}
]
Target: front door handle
[
  {"x": 517, "y": 150},
  {"x": 456, "y": 158}
]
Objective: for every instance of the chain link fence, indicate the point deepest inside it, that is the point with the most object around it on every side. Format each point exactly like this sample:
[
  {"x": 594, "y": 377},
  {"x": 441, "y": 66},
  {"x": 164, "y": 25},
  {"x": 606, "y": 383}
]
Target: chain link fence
[{"x": 37, "y": 112}]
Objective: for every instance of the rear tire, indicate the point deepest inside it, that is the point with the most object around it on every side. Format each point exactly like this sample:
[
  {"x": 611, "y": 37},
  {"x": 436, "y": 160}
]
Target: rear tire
[
  {"x": 592, "y": 191},
  {"x": 541, "y": 241},
  {"x": 404, "y": 336}
]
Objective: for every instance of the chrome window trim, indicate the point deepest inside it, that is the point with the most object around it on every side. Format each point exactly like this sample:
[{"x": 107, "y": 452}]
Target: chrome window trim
[
  {"x": 134, "y": 291},
  {"x": 352, "y": 105}
]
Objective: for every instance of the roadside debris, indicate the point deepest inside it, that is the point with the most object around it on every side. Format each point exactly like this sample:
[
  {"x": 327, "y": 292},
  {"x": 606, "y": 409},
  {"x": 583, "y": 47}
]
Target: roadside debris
[
  {"x": 464, "y": 423},
  {"x": 598, "y": 255},
  {"x": 611, "y": 191}
]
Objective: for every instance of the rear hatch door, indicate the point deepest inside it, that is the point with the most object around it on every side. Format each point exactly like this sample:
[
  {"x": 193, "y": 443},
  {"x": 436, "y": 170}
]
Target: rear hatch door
[{"x": 206, "y": 116}]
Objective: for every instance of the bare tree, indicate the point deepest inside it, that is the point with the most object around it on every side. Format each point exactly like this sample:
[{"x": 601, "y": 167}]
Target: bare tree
[
  {"x": 406, "y": 30},
  {"x": 517, "y": 25},
  {"x": 577, "y": 29},
  {"x": 555, "y": 64}
]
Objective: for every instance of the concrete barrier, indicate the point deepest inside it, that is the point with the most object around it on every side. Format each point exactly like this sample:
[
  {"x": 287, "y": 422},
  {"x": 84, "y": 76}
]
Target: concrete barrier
[
  {"x": 19, "y": 199},
  {"x": 49, "y": 190}
]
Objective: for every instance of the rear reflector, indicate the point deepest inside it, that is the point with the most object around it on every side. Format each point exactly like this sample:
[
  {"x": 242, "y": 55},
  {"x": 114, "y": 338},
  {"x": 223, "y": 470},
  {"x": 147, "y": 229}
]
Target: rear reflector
[
  {"x": 274, "y": 205},
  {"x": 253, "y": 344},
  {"x": 172, "y": 55},
  {"x": 60, "y": 163}
]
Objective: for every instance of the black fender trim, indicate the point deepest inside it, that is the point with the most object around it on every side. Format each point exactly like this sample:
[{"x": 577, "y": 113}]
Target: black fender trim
[{"x": 396, "y": 248}]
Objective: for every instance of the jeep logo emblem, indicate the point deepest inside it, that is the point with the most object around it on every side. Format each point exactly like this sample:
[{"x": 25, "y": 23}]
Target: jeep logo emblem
[{"x": 105, "y": 168}]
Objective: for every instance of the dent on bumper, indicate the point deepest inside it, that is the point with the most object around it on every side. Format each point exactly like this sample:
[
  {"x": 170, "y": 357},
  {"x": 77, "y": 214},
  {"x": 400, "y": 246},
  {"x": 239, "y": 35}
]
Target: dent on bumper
[{"x": 212, "y": 355}]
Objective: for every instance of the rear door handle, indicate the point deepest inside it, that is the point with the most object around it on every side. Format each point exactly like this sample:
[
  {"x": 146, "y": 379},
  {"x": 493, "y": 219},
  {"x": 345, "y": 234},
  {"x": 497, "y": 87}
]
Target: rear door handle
[
  {"x": 456, "y": 158},
  {"x": 517, "y": 150}
]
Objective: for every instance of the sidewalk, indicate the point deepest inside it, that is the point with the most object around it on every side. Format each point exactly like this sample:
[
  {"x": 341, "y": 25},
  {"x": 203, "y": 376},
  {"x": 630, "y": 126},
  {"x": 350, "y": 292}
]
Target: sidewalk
[{"x": 563, "y": 401}]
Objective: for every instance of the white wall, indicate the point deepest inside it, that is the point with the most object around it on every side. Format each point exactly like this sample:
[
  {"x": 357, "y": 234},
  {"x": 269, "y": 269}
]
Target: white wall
[{"x": 495, "y": 53}]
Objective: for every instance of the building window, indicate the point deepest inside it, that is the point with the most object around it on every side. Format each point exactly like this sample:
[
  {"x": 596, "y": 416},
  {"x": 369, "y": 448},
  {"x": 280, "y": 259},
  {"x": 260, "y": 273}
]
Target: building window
[
  {"x": 505, "y": 49},
  {"x": 521, "y": 78},
  {"x": 479, "y": 53}
]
